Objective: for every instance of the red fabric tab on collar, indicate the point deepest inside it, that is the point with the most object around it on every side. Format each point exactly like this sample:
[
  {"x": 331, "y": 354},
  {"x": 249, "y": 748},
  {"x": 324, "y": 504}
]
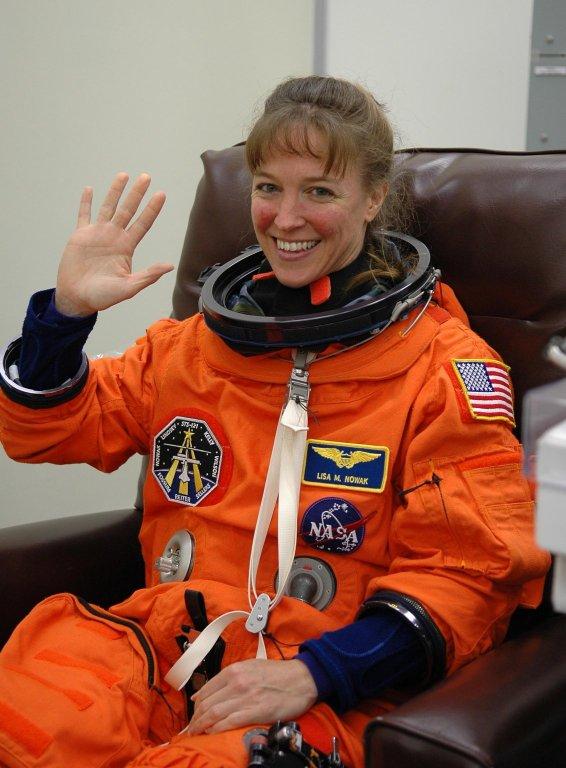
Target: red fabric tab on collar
[
  {"x": 263, "y": 275},
  {"x": 320, "y": 290}
]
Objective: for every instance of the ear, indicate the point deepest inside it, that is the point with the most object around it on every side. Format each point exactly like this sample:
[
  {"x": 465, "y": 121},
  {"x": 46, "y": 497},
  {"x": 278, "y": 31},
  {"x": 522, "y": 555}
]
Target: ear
[{"x": 375, "y": 200}]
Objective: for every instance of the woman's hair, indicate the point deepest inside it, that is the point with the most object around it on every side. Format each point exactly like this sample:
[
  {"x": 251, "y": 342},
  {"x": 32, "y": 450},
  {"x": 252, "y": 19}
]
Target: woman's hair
[{"x": 355, "y": 129}]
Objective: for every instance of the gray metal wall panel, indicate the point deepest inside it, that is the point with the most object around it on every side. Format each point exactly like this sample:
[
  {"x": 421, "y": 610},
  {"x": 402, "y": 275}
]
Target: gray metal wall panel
[{"x": 546, "y": 125}]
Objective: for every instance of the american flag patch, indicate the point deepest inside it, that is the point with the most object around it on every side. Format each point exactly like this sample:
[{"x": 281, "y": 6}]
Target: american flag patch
[{"x": 487, "y": 389}]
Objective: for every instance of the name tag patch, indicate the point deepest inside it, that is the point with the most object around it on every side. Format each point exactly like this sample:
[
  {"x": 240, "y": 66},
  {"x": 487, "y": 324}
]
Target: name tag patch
[{"x": 346, "y": 465}]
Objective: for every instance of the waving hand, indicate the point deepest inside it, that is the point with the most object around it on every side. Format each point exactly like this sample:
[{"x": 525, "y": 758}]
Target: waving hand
[{"x": 95, "y": 271}]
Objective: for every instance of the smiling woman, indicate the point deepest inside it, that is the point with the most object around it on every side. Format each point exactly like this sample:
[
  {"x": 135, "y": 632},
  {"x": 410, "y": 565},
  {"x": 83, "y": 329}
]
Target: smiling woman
[
  {"x": 310, "y": 224},
  {"x": 321, "y": 156},
  {"x": 403, "y": 535}
]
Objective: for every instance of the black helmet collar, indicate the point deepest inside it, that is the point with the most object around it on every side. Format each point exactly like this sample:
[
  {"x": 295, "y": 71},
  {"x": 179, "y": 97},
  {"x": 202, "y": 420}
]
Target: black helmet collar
[{"x": 362, "y": 318}]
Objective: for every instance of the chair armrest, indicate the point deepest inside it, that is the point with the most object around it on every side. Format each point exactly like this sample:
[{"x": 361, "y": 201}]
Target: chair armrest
[
  {"x": 504, "y": 709},
  {"x": 95, "y": 556}
]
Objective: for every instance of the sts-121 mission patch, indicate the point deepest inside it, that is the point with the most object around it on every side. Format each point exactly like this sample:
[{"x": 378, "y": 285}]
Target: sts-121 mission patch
[
  {"x": 346, "y": 465},
  {"x": 187, "y": 459}
]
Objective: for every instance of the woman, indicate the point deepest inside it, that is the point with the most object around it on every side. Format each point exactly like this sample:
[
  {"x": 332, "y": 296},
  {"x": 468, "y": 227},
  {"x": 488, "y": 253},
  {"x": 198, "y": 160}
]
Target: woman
[{"x": 404, "y": 525}]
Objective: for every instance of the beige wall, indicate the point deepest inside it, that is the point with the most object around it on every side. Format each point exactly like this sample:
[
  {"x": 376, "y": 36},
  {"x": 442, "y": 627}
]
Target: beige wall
[
  {"x": 454, "y": 73},
  {"x": 91, "y": 88}
]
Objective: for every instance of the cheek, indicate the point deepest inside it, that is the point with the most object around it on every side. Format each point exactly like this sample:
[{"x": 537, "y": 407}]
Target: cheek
[
  {"x": 263, "y": 214},
  {"x": 325, "y": 223}
]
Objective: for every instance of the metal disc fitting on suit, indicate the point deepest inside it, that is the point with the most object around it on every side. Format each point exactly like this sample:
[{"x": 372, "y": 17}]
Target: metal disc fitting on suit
[
  {"x": 176, "y": 562},
  {"x": 312, "y": 581}
]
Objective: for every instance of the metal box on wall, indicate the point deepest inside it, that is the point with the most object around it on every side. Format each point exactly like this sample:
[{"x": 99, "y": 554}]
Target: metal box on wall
[{"x": 546, "y": 125}]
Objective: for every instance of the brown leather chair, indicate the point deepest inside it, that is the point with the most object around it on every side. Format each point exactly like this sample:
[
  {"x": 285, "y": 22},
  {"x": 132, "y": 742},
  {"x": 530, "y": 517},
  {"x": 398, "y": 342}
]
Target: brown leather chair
[{"x": 496, "y": 226}]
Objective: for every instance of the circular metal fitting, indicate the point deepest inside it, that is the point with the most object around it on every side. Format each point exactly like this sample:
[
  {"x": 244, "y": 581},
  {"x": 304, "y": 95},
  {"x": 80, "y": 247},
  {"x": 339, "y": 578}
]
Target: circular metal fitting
[
  {"x": 311, "y": 580},
  {"x": 176, "y": 562}
]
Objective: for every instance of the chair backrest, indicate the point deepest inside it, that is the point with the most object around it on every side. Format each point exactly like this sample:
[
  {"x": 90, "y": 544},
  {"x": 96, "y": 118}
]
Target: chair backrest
[{"x": 495, "y": 223}]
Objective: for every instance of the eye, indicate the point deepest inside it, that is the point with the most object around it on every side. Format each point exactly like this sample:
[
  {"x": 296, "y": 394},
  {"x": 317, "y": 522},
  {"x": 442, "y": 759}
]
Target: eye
[
  {"x": 321, "y": 192},
  {"x": 265, "y": 187}
]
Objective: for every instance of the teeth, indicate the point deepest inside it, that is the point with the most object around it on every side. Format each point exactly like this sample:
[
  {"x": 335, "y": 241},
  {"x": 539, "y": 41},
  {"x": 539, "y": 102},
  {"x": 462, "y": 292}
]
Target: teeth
[{"x": 304, "y": 245}]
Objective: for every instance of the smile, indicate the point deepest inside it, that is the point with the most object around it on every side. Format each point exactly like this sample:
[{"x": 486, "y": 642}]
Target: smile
[{"x": 297, "y": 245}]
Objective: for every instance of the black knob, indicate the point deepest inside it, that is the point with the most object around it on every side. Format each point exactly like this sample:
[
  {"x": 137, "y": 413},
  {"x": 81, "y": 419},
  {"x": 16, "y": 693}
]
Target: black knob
[{"x": 304, "y": 587}]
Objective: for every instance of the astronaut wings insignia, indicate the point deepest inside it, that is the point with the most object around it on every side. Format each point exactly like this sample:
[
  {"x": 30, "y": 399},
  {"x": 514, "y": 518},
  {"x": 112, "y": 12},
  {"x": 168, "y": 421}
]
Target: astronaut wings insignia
[
  {"x": 346, "y": 465},
  {"x": 341, "y": 459}
]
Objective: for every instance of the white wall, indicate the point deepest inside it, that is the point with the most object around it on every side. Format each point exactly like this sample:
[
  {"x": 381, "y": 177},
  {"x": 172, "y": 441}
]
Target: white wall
[
  {"x": 454, "y": 73},
  {"x": 91, "y": 88}
]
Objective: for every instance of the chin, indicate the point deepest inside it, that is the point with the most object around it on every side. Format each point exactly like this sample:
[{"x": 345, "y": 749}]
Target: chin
[{"x": 293, "y": 281}]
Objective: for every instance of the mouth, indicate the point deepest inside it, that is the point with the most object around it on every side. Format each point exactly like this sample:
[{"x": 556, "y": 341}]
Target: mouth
[{"x": 294, "y": 249}]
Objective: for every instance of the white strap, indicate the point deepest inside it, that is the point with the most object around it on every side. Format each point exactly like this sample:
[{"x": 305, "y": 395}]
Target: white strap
[
  {"x": 266, "y": 508},
  {"x": 292, "y": 454},
  {"x": 182, "y": 670}
]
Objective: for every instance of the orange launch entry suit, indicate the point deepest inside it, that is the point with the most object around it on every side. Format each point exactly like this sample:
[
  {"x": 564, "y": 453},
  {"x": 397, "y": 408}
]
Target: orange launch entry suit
[{"x": 441, "y": 513}]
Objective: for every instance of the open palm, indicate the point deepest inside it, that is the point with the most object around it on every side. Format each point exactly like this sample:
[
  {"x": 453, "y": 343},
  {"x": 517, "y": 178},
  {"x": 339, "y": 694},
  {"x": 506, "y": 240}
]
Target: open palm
[{"x": 95, "y": 271}]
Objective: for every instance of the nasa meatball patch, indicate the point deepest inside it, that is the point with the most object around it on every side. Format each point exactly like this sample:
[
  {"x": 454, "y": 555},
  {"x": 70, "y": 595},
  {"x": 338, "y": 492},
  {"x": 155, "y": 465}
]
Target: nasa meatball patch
[
  {"x": 187, "y": 459},
  {"x": 346, "y": 465},
  {"x": 333, "y": 525}
]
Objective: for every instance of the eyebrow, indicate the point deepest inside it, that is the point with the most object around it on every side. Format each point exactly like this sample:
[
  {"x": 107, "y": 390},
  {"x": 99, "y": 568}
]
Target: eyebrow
[{"x": 308, "y": 179}]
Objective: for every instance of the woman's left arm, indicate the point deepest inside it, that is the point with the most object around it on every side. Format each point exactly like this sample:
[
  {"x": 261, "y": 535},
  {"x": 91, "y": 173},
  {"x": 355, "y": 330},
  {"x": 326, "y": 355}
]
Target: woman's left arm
[
  {"x": 462, "y": 541},
  {"x": 358, "y": 661}
]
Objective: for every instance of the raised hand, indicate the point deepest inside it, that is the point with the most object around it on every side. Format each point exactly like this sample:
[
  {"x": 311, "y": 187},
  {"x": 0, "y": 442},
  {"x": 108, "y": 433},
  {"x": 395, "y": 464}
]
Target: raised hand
[{"x": 95, "y": 271}]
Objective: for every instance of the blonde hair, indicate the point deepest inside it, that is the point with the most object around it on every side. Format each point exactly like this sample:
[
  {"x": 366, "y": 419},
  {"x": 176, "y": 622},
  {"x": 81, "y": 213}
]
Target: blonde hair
[{"x": 355, "y": 129}]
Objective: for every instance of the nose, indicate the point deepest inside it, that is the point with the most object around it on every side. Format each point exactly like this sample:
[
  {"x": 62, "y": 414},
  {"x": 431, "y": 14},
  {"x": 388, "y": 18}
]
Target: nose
[{"x": 289, "y": 215}]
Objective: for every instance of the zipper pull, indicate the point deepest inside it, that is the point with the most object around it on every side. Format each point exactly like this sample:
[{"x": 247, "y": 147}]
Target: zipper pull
[{"x": 298, "y": 389}]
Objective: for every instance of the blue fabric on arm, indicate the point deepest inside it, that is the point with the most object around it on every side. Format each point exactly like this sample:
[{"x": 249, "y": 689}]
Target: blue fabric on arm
[
  {"x": 52, "y": 343},
  {"x": 360, "y": 660}
]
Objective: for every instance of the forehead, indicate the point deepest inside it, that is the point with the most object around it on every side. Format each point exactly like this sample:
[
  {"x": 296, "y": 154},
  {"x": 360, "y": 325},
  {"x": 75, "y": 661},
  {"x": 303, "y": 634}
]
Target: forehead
[
  {"x": 311, "y": 149},
  {"x": 287, "y": 162},
  {"x": 281, "y": 165}
]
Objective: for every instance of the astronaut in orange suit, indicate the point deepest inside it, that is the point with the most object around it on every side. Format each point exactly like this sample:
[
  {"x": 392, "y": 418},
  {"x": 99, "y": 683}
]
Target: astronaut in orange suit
[{"x": 385, "y": 435}]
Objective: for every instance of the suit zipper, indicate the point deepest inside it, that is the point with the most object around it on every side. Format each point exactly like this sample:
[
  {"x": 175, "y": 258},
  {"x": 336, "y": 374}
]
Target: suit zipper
[{"x": 136, "y": 629}]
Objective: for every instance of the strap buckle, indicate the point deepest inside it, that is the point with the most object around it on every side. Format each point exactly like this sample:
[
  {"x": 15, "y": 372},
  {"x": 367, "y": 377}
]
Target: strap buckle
[
  {"x": 257, "y": 619},
  {"x": 299, "y": 387}
]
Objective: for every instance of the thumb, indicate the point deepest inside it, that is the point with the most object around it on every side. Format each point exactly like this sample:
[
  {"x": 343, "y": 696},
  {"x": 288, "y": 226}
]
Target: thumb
[{"x": 137, "y": 281}]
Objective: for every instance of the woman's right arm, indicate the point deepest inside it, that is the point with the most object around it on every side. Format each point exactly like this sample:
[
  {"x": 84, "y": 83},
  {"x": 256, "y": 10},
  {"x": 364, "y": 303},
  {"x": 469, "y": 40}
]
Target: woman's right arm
[
  {"x": 95, "y": 272},
  {"x": 51, "y": 350}
]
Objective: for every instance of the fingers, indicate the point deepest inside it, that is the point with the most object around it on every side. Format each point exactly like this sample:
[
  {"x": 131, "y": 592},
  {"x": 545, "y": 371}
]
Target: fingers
[
  {"x": 83, "y": 218},
  {"x": 146, "y": 218},
  {"x": 217, "y": 683},
  {"x": 108, "y": 207},
  {"x": 127, "y": 210},
  {"x": 217, "y": 710},
  {"x": 235, "y": 720},
  {"x": 123, "y": 214},
  {"x": 213, "y": 702},
  {"x": 206, "y": 720},
  {"x": 232, "y": 720}
]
